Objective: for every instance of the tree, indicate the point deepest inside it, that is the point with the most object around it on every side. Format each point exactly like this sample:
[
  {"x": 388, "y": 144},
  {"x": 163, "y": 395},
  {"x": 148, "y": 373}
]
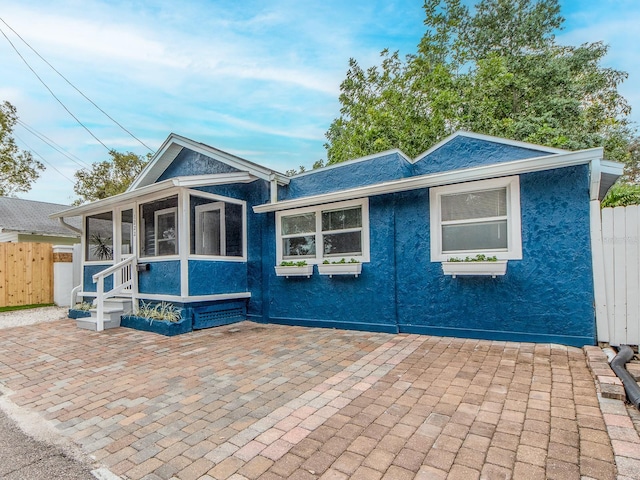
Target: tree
[
  {"x": 18, "y": 168},
  {"x": 497, "y": 70},
  {"x": 108, "y": 177}
]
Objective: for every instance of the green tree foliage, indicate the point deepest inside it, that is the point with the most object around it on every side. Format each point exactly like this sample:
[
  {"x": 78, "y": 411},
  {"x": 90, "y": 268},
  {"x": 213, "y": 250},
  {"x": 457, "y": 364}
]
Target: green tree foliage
[
  {"x": 621, "y": 195},
  {"x": 18, "y": 169},
  {"x": 495, "y": 70},
  {"x": 108, "y": 177}
]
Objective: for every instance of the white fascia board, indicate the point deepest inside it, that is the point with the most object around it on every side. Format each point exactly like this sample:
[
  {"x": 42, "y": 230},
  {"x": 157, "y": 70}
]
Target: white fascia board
[
  {"x": 516, "y": 167},
  {"x": 613, "y": 168},
  {"x": 185, "y": 182},
  {"x": 352, "y": 161},
  {"x": 488, "y": 138},
  {"x": 168, "y": 152},
  {"x": 190, "y": 299}
]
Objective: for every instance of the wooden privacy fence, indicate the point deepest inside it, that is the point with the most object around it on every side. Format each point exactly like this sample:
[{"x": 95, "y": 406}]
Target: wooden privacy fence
[
  {"x": 26, "y": 274},
  {"x": 618, "y": 289}
]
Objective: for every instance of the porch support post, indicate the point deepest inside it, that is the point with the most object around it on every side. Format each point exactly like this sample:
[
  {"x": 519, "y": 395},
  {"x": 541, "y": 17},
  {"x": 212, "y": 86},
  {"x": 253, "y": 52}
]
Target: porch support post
[
  {"x": 183, "y": 241},
  {"x": 100, "y": 306}
]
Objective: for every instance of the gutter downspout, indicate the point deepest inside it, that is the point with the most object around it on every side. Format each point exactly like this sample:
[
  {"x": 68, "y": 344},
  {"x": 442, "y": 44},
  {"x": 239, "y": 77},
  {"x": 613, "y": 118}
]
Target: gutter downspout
[
  {"x": 630, "y": 385},
  {"x": 70, "y": 227}
]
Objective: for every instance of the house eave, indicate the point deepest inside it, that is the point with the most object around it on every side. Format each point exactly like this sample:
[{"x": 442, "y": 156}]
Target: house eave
[
  {"x": 185, "y": 182},
  {"x": 536, "y": 164},
  {"x": 174, "y": 144}
]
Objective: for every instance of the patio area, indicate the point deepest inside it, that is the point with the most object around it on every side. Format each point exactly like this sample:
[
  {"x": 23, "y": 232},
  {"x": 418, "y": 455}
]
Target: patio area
[{"x": 274, "y": 402}]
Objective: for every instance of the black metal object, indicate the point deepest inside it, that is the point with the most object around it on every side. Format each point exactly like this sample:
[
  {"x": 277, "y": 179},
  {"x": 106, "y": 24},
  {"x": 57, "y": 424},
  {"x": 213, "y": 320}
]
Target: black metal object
[
  {"x": 142, "y": 267},
  {"x": 630, "y": 385}
]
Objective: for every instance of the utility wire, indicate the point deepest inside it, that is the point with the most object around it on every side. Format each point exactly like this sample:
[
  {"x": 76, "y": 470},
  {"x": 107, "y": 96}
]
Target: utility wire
[
  {"x": 77, "y": 89},
  {"x": 52, "y": 144},
  {"x": 42, "y": 158},
  {"x": 53, "y": 94}
]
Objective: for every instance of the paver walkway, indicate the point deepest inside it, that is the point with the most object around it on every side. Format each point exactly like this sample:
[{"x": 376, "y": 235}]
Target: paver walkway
[{"x": 271, "y": 402}]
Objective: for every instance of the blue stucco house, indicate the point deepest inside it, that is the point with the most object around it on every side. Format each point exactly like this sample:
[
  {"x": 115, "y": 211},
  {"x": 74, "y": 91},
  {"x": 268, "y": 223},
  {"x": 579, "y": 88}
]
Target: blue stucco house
[{"x": 205, "y": 229}]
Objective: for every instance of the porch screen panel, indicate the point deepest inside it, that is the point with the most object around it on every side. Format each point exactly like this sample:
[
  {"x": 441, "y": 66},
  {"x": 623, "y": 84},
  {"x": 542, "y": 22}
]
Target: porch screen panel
[
  {"x": 159, "y": 227},
  {"x": 216, "y": 228},
  {"x": 99, "y": 237}
]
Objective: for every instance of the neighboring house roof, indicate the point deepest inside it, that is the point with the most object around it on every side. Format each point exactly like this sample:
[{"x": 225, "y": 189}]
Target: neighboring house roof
[{"x": 32, "y": 217}]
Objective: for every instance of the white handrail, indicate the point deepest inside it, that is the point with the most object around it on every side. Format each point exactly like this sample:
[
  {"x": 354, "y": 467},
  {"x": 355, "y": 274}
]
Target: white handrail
[{"x": 126, "y": 280}]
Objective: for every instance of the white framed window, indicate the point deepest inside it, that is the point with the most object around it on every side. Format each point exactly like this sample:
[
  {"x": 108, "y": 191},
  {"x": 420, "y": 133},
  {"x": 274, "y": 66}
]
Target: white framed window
[
  {"x": 324, "y": 232},
  {"x": 166, "y": 221},
  {"x": 210, "y": 229},
  {"x": 471, "y": 218}
]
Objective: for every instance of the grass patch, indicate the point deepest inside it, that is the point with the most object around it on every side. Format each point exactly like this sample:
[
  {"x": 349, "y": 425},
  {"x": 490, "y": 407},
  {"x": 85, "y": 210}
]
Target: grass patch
[{"x": 25, "y": 307}]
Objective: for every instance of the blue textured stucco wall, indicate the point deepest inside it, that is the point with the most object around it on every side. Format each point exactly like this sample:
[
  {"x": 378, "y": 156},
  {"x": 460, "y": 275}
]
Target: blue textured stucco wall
[
  {"x": 87, "y": 280},
  {"x": 189, "y": 162},
  {"x": 213, "y": 277},
  {"x": 546, "y": 296},
  {"x": 161, "y": 278},
  {"x": 465, "y": 152}
]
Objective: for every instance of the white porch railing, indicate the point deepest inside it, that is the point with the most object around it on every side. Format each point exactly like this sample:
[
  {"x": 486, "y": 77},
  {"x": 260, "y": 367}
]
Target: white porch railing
[{"x": 125, "y": 284}]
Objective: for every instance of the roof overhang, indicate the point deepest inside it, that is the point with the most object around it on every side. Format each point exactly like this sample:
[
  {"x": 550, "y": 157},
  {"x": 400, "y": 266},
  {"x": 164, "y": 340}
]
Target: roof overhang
[
  {"x": 185, "y": 182},
  {"x": 591, "y": 156},
  {"x": 174, "y": 144}
]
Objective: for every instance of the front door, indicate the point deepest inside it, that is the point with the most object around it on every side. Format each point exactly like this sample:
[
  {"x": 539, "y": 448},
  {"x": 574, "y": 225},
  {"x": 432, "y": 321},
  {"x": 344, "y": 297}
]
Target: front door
[{"x": 125, "y": 245}]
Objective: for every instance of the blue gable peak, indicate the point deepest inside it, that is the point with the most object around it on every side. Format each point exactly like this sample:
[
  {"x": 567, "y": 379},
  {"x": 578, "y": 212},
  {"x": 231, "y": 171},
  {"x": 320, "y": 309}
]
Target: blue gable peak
[{"x": 467, "y": 149}]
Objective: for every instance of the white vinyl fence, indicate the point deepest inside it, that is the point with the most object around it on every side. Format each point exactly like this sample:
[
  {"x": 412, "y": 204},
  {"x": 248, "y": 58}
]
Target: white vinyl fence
[{"x": 617, "y": 281}]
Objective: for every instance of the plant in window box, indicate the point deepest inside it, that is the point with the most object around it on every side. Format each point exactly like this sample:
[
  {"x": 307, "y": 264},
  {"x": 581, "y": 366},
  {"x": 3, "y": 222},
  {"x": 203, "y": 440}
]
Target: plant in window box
[
  {"x": 478, "y": 265},
  {"x": 294, "y": 269},
  {"x": 341, "y": 267}
]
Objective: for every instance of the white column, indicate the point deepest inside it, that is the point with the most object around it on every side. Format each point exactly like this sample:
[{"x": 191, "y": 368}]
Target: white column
[{"x": 62, "y": 274}]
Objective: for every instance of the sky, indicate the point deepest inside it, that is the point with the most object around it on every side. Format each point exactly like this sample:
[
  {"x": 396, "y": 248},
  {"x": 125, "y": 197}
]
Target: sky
[{"x": 259, "y": 79}]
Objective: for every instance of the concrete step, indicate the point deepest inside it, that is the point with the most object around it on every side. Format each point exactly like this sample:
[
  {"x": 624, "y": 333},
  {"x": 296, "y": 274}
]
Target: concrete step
[{"x": 89, "y": 323}]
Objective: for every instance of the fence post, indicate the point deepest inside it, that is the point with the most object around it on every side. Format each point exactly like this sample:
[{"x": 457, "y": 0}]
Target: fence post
[{"x": 62, "y": 274}]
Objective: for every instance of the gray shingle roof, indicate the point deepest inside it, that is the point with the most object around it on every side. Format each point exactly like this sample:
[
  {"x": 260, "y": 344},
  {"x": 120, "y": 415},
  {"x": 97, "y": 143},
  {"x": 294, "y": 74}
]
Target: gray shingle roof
[{"x": 28, "y": 216}]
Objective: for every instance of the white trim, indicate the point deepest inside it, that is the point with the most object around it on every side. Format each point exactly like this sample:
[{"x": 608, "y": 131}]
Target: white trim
[
  {"x": 599, "y": 284},
  {"x": 195, "y": 298},
  {"x": 514, "y": 225},
  {"x": 184, "y": 245},
  {"x": 595, "y": 174},
  {"x": 354, "y": 160},
  {"x": 169, "y": 151},
  {"x": 442, "y": 178},
  {"x": 488, "y": 138},
  {"x": 159, "y": 188},
  {"x": 319, "y": 256}
]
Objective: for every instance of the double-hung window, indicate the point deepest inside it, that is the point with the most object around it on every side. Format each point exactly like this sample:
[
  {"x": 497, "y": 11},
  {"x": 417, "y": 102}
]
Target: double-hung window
[
  {"x": 324, "y": 232},
  {"x": 473, "y": 218}
]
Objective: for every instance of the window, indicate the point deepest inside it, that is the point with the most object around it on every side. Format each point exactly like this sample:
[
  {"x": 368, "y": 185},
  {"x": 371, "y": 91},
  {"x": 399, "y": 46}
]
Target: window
[
  {"x": 324, "y": 232},
  {"x": 216, "y": 227},
  {"x": 159, "y": 226},
  {"x": 476, "y": 217},
  {"x": 99, "y": 237}
]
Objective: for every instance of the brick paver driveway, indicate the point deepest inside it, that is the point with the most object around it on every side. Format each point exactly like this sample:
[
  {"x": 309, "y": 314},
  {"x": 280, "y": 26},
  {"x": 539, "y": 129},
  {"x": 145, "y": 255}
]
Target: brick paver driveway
[{"x": 267, "y": 401}]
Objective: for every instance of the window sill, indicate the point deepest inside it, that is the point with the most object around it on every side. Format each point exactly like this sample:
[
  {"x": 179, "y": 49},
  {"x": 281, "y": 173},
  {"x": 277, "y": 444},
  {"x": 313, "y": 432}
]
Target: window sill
[
  {"x": 492, "y": 269},
  {"x": 332, "y": 269},
  {"x": 304, "y": 271}
]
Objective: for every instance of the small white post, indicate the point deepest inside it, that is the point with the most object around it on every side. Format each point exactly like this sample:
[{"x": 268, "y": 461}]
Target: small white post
[
  {"x": 62, "y": 274},
  {"x": 100, "y": 306}
]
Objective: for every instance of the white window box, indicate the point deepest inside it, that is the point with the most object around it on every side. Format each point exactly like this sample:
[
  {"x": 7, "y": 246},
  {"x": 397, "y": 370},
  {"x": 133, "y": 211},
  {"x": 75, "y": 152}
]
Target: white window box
[
  {"x": 294, "y": 271},
  {"x": 475, "y": 268},
  {"x": 332, "y": 269}
]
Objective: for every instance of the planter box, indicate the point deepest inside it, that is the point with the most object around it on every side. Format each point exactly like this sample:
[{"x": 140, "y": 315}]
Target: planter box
[
  {"x": 162, "y": 327},
  {"x": 332, "y": 269},
  {"x": 304, "y": 271},
  {"x": 492, "y": 269},
  {"x": 73, "y": 313}
]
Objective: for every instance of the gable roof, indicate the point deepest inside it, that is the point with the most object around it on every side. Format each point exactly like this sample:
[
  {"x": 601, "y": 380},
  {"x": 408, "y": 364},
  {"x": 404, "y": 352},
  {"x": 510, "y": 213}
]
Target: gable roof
[
  {"x": 174, "y": 144},
  {"x": 32, "y": 217}
]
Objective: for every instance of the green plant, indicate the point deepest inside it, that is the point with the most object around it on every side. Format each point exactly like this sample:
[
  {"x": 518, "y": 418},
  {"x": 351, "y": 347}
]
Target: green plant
[
  {"x": 159, "y": 311},
  {"x": 84, "y": 306},
  {"x": 478, "y": 258},
  {"x": 341, "y": 261},
  {"x": 101, "y": 247},
  {"x": 301, "y": 263}
]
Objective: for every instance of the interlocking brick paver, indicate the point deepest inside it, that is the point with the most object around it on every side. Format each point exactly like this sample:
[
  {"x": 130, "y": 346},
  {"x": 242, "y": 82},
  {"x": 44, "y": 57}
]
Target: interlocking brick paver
[{"x": 253, "y": 401}]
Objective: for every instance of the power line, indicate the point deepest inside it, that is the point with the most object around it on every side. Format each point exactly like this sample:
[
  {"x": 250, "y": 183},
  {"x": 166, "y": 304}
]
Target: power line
[
  {"x": 77, "y": 89},
  {"x": 52, "y": 144},
  {"x": 53, "y": 94},
  {"x": 42, "y": 158}
]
